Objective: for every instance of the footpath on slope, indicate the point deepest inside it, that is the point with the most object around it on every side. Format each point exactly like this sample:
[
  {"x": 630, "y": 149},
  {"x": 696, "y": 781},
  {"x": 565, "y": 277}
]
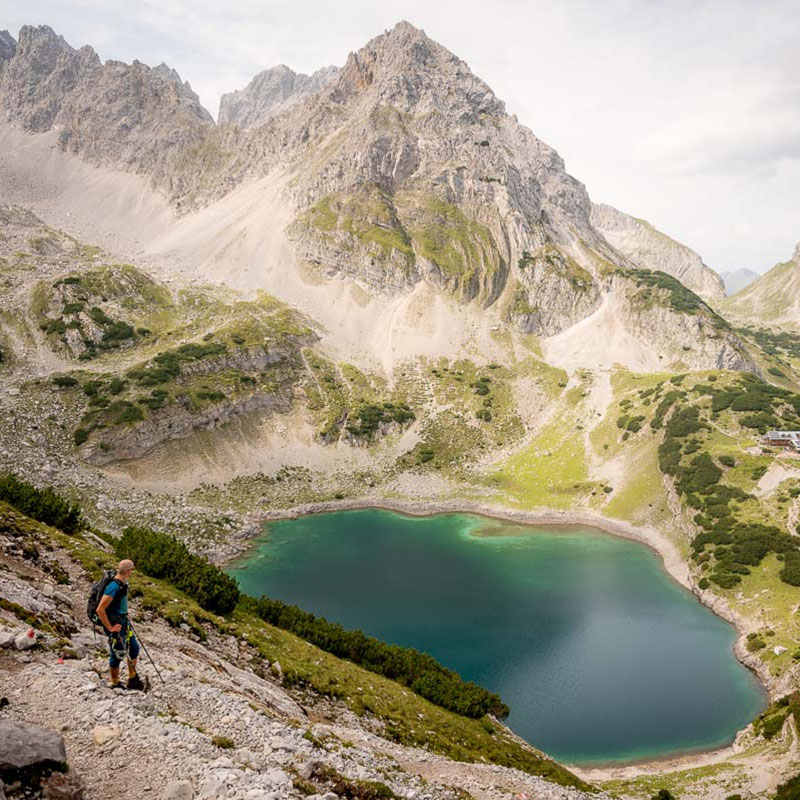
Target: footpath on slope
[{"x": 214, "y": 728}]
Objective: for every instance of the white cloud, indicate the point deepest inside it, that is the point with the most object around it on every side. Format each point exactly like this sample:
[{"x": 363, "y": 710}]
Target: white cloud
[{"x": 743, "y": 231}]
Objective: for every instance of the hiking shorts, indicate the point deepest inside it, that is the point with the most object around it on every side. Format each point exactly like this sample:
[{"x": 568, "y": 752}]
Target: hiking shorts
[{"x": 122, "y": 644}]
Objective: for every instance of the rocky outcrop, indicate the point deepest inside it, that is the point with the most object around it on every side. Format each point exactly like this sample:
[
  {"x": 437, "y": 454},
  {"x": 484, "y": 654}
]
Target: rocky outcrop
[
  {"x": 24, "y": 746},
  {"x": 247, "y": 359},
  {"x": 8, "y": 47},
  {"x": 266, "y": 375},
  {"x": 651, "y": 249},
  {"x": 553, "y": 293},
  {"x": 132, "y": 117},
  {"x": 31, "y": 762},
  {"x": 269, "y": 93},
  {"x": 176, "y": 422},
  {"x": 686, "y": 334}
]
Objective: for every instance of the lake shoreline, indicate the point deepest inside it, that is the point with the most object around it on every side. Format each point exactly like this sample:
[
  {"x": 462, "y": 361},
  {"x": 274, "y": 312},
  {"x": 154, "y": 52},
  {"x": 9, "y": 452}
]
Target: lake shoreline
[{"x": 668, "y": 554}]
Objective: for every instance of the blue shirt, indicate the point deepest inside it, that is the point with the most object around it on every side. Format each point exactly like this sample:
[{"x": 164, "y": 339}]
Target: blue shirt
[{"x": 119, "y": 605}]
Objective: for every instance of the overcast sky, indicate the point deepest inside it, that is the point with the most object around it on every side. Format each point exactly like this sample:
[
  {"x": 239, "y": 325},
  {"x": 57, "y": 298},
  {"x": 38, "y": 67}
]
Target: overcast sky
[{"x": 686, "y": 113}]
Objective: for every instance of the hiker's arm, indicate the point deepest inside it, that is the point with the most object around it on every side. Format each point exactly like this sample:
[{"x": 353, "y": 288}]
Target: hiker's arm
[{"x": 104, "y": 603}]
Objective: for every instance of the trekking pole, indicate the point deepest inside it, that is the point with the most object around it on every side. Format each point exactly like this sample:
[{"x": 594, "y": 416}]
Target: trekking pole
[{"x": 146, "y": 651}]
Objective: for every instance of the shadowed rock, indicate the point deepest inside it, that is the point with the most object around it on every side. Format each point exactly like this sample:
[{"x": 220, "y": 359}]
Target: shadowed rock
[{"x": 23, "y": 746}]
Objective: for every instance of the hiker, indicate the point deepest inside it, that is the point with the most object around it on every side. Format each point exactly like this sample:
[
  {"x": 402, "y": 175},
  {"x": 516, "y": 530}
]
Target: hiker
[{"x": 112, "y": 611}]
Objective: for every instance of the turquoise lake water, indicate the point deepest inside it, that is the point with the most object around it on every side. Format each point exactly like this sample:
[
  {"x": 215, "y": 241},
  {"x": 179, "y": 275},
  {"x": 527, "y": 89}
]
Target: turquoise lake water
[{"x": 600, "y": 654}]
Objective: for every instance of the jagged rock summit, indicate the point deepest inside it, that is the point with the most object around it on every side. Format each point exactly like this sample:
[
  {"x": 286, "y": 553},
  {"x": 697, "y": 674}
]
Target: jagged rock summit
[
  {"x": 269, "y": 93},
  {"x": 132, "y": 117}
]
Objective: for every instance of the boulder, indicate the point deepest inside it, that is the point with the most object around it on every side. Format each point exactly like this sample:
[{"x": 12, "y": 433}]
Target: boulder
[
  {"x": 23, "y": 745},
  {"x": 7, "y": 639},
  {"x": 102, "y": 708},
  {"x": 212, "y": 789},
  {"x": 309, "y": 768},
  {"x": 25, "y": 640},
  {"x": 178, "y": 790}
]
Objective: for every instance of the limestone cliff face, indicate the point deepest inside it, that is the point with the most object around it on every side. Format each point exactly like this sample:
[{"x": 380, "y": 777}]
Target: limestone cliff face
[
  {"x": 463, "y": 189},
  {"x": 677, "y": 324},
  {"x": 651, "y": 249},
  {"x": 177, "y": 422},
  {"x": 552, "y": 293},
  {"x": 178, "y": 419},
  {"x": 132, "y": 117},
  {"x": 269, "y": 93}
]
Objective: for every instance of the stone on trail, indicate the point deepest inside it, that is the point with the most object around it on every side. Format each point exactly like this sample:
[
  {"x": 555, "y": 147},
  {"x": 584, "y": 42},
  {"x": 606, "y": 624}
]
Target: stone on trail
[
  {"x": 23, "y": 745},
  {"x": 105, "y": 733},
  {"x": 7, "y": 639},
  {"x": 25, "y": 640},
  {"x": 209, "y": 790},
  {"x": 178, "y": 790}
]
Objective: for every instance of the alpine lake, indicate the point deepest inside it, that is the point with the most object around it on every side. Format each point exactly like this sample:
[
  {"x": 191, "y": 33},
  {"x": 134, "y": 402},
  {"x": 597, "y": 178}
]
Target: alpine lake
[{"x": 601, "y": 655}]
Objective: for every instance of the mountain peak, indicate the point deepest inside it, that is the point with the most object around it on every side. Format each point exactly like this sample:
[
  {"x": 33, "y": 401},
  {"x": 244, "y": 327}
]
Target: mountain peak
[
  {"x": 42, "y": 39},
  {"x": 796, "y": 254},
  {"x": 406, "y": 69}
]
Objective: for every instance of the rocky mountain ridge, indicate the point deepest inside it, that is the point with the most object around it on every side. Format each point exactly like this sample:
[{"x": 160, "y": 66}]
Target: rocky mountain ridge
[
  {"x": 8, "y": 46},
  {"x": 403, "y": 171},
  {"x": 133, "y": 117},
  {"x": 269, "y": 93},
  {"x": 651, "y": 249}
]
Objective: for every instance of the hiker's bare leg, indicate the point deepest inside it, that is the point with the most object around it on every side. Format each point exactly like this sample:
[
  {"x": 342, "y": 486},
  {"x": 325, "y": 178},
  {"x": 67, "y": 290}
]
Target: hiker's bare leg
[
  {"x": 131, "y": 667},
  {"x": 114, "y": 674}
]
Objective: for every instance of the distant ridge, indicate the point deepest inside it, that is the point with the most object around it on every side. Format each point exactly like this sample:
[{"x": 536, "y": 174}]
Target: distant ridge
[
  {"x": 270, "y": 93},
  {"x": 649, "y": 248},
  {"x": 737, "y": 279}
]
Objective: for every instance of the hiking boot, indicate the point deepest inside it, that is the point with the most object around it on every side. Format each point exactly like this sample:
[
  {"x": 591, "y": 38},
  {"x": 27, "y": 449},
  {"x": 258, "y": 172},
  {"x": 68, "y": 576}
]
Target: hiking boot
[
  {"x": 135, "y": 683},
  {"x": 116, "y": 685}
]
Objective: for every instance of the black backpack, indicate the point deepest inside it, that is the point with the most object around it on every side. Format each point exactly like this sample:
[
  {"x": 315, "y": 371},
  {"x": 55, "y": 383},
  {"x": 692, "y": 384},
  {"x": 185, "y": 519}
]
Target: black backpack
[{"x": 96, "y": 594}]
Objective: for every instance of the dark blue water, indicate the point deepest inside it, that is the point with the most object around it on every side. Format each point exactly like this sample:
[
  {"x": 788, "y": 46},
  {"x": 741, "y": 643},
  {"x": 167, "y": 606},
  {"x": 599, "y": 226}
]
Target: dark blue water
[{"x": 599, "y": 653}]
